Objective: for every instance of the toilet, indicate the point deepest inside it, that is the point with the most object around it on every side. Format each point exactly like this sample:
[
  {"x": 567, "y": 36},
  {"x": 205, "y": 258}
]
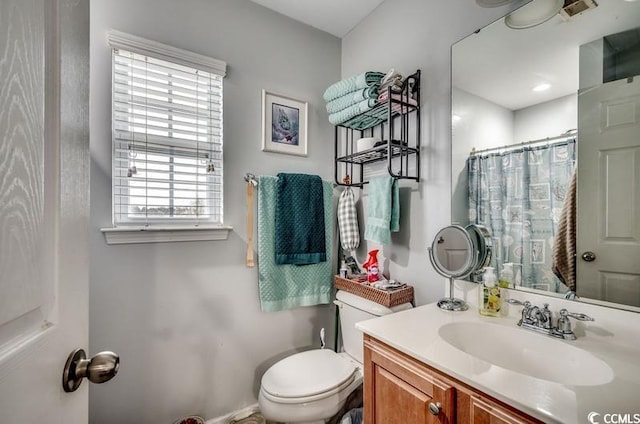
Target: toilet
[{"x": 310, "y": 387}]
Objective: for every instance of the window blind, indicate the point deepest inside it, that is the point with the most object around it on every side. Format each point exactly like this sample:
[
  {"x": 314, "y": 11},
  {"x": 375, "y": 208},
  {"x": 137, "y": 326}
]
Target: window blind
[{"x": 167, "y": 142}]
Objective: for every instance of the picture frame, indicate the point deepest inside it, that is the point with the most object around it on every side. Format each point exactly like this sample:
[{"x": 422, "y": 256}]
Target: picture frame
[{"x": 284, "y": 124}]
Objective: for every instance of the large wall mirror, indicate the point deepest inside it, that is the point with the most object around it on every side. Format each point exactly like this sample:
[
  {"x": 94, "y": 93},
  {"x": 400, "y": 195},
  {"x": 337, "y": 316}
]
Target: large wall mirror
[{"x": 546, "y": 146}]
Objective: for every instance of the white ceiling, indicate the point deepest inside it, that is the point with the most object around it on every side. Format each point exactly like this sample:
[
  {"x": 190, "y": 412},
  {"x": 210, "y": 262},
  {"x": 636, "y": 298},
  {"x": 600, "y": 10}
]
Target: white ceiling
[
  {"x": 496, "y": 57},
  {"x": 503, "y": 65},
  {"x": 336, "y": 17}
]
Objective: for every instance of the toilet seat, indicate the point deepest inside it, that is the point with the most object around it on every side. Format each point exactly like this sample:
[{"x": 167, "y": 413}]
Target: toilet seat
[{"x": 307, "y": 376}]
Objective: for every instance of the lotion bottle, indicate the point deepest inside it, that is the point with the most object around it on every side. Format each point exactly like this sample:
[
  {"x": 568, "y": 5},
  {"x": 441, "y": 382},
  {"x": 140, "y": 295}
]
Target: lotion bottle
[
  {"x": 506, "y": 275},
  {"x": 490, "y": 301}
]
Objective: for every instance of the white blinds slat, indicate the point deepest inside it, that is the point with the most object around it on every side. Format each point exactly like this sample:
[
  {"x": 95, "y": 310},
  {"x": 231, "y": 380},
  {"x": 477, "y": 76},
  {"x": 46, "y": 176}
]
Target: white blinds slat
[
  {"x": 152, "y": 103},
  {"x": 135, "y": 143},
  {"x": 127, "y": 74},
  {"x": 169, "y": 128},
  {"x": 168, "y": 95},
  {"x": 125, "y": 109}
]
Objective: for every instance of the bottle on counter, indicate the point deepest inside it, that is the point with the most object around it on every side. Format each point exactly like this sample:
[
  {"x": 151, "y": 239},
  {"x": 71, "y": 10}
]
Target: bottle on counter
[
  {"x": 490, "y": 302},
  {"x": 344, "y": 270},
  {"x": 373, "y": 272},
  {"x": 506, "y": 276}
]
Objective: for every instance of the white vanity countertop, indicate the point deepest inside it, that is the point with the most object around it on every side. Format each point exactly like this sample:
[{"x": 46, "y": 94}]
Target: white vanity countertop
[{"x": 416, "y": 332}]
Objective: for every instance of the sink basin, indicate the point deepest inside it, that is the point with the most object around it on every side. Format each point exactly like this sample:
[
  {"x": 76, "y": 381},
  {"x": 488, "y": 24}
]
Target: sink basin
[{"x": 527, "y": 353}]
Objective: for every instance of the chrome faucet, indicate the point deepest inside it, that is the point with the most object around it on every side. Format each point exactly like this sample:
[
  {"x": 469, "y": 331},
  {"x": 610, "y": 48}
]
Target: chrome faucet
[
  {"x": 563, "y": 329},
  {"x": 540, "y": 320}
]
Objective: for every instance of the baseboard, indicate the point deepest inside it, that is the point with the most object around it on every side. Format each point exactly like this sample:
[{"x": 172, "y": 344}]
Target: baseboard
[{"x": 236, "y": 415}]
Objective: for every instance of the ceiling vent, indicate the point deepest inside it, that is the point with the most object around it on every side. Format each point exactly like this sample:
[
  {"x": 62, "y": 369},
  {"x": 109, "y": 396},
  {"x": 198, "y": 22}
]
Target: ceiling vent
[{"x": 572, "y": 8}]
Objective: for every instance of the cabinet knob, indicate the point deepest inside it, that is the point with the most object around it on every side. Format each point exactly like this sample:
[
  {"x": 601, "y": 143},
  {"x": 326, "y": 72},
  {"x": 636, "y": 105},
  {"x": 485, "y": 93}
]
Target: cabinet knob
[{"x": 435, "y": 408}]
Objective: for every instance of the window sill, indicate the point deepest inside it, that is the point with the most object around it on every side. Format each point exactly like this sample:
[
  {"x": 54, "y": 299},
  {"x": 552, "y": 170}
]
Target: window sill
[{"x": 130, "y": 235}]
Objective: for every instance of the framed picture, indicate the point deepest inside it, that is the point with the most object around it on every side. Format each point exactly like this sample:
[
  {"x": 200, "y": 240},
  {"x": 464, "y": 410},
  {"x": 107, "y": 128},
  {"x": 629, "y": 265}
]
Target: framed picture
[{"x": 284, "y": 124}]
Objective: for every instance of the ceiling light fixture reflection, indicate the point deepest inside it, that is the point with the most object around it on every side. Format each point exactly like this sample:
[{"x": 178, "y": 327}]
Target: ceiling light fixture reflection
[
  {"x": 541, "y": 87},
  {"x": 455, "y": 118},
  {"x": 534, "y": 13}
]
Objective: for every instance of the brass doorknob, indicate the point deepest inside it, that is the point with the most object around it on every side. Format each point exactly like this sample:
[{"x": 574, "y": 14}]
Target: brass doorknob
[
  {"x": 588, "y": 256},
  {"x": 102, "y": 367}
]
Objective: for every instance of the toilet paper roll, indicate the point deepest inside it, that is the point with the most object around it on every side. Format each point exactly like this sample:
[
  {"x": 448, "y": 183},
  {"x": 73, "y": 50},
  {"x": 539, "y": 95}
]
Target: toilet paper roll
[{"x": 365, "y": 143}]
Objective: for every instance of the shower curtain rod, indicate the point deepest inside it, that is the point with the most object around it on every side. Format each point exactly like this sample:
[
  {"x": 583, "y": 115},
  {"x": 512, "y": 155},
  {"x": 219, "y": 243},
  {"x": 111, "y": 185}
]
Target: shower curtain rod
[{"x": 568, "y": 134}]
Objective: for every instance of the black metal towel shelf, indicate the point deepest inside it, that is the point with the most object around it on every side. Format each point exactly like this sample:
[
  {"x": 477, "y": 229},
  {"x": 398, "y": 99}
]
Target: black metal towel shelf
[{"x": 397, "y": 122}]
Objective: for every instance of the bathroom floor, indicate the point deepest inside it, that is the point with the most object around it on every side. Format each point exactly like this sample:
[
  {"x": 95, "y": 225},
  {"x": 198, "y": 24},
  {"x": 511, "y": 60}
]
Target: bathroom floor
[
  {"x": 353, "y": 401},
  {"x": 255, "y": 418}
]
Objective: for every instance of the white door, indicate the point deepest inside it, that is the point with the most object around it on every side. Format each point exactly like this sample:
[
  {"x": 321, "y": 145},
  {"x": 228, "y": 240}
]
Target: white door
[
  {"x": 608, "y": 206},
  {"x": 44, "y": 205}
]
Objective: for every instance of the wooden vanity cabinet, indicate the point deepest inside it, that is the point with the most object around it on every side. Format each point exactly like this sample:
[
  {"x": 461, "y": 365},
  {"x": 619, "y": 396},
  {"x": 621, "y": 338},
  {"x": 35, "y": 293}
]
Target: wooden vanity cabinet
[{"x": 398, "y": 389}]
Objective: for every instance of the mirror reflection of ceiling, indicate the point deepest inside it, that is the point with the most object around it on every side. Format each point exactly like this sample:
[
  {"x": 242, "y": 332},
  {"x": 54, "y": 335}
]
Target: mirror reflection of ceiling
[{"x": 550, "y": 56}]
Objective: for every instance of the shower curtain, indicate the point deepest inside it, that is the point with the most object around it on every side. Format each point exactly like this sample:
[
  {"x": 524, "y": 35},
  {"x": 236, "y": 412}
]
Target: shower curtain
[{"x": 518, "y": 195}]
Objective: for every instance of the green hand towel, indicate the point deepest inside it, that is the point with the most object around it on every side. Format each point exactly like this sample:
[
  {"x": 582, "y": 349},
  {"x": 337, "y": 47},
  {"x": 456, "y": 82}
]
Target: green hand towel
[
  {"x": 290, "y": 286},
  {"x": 383, "y": 210},
  {"x": 299, "y": 220},
  {"x": 394, "y": 226}
]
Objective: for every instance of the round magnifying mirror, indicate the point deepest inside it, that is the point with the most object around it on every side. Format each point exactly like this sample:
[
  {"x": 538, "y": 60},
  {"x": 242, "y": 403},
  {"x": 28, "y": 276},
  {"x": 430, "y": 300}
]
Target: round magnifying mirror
[
  {"x": 452, "y": 252},
  {"x": 453, "y": 255},
  {"x": 483, "y": 244}
]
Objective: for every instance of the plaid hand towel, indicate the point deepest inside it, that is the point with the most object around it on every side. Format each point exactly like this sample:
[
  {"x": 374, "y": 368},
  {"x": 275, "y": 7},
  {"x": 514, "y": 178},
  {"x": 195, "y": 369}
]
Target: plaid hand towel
[{"x": 348, "y": 220}]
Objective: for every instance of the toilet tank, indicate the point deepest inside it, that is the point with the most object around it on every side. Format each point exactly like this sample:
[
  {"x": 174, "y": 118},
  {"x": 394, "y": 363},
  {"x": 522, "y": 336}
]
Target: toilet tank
[{"x": 354, "y": 309}]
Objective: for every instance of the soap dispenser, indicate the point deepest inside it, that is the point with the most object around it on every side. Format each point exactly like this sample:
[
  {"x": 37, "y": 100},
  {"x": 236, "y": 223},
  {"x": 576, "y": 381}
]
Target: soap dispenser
[
  {"x": 506, "y": 275},
  {"x": 490, "y": 294}
]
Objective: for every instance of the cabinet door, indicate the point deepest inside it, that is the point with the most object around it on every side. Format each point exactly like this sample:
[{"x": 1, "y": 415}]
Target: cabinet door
[
  {"x": 486, "y": 412},
  {"x": 398, "y": 402},
  {"x": 400, "y": 390}
]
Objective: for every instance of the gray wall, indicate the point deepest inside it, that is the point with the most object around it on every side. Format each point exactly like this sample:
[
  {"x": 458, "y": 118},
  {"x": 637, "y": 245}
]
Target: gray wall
[
  {"x": 407, "y": 35},
  {"x": 481, "y": 124},
  {"x": 547, "y": 119},
  {"x": 185, "y": 317}
]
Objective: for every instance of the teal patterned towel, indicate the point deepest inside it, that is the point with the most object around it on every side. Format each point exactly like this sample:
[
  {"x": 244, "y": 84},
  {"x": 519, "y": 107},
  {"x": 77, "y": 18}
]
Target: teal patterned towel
[
  {"x": 343, "y": 102},
  {"x": 354, "y": 110},
  {"x": 290, "y": 286},
  {"x": 383, "y": 210},
  {"x": 300, "y": 220},
  {"x": 352, "y": 83}
]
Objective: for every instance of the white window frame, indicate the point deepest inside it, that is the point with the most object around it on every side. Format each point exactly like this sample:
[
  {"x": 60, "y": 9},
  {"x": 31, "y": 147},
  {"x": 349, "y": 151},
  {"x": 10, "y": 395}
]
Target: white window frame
[{"x": 163, "y": 229}]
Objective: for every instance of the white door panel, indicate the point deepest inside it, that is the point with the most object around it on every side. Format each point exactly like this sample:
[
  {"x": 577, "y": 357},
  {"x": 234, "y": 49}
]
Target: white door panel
[
  {"x": 608, "y": 211},
  {"x": 43, "y": 206}
]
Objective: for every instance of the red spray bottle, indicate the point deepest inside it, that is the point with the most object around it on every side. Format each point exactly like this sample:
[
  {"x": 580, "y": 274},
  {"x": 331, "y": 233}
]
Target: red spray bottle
[{"x": 373, "y": 271}]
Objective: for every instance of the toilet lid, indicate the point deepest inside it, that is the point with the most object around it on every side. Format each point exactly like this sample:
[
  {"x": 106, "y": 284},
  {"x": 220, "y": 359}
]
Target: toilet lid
[{"x": 307, "y": 374}]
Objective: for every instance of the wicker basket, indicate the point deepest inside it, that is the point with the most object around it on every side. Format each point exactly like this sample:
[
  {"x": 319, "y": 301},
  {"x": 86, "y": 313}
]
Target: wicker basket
[{"x": 383, "y": 297}]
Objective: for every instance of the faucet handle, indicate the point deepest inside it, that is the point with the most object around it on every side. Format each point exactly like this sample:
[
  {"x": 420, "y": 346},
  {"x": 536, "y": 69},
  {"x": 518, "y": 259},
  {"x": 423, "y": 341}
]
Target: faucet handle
[
  {"x": 526, "y": 308},
  {"x": 526, "y": 303},
  {"x": 580, "y": 317},
  {"x": 564, "y": 324}
]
